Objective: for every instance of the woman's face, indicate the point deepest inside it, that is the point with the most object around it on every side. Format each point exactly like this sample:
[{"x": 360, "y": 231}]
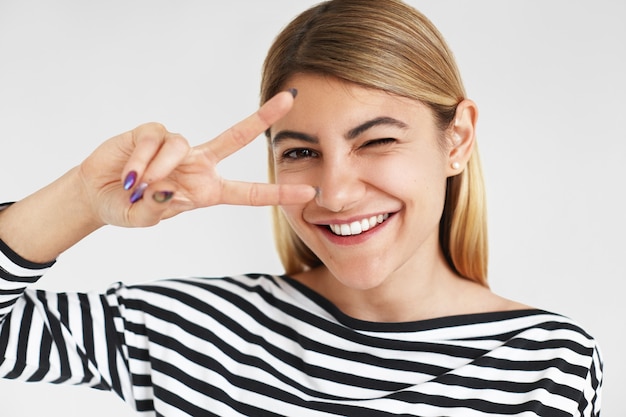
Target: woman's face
[{"x": 380, "y": 169}]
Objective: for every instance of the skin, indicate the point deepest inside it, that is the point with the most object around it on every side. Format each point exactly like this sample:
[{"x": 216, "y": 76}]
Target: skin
[
  {"x": 404, "y": 177},
  {"x": 92, "y": 195},
  {"x": 371, "y": 153}
]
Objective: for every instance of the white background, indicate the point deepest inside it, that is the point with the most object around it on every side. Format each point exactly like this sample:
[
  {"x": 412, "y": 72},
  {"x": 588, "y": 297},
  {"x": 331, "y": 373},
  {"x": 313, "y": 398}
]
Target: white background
[{"x": 548, "y": 77}]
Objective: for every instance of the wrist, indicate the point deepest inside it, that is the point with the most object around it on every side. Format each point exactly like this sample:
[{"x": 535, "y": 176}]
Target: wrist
[{"x": 43, "y": 225}]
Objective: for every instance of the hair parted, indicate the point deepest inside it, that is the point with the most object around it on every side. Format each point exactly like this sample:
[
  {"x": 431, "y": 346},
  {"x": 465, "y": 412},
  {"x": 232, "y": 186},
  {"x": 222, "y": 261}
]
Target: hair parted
[{"x": 390, "y": 46}]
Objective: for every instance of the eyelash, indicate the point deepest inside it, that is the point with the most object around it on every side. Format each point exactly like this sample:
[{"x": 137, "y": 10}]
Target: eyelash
[
  {"x": 295, "y": 154},
  {"x": 288, "y": 155},
  {"x": 378, "y": 142}
]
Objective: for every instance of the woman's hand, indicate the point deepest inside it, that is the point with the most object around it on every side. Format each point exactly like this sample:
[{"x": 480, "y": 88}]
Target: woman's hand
[{"x": 148, "y": 174}]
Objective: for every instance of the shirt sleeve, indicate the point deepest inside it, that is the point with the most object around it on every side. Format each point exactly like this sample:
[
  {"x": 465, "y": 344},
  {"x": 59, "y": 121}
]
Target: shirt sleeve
[
  {"x": 591, "y": 398},
  {"x": 61, "y": 338}
]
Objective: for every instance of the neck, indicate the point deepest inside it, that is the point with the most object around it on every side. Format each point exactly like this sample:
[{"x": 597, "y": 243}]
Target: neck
[{"x": 406, "y": 295}]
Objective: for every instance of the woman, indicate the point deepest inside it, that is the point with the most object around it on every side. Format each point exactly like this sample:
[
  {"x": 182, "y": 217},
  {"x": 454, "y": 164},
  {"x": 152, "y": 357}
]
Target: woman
[{"x": 384, "y": 308}]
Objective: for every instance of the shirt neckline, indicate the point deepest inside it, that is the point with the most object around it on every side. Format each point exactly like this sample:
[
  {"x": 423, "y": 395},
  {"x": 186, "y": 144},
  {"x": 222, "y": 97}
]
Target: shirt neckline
[{"x": 408, "y": 326}]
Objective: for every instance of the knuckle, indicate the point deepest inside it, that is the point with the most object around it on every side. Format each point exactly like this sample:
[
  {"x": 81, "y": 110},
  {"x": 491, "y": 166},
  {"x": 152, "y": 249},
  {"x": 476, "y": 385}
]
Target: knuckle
[
  {"x": 253, "y": 195},
  {"x": 241, "y": 135},
  {"x": 149, "y": 140},
  {"x": 149, "y": 133},
  {"x": 155, "y": 127},
  {"x": 280, "y": 195},
  {"x": 178, "y": 142}
]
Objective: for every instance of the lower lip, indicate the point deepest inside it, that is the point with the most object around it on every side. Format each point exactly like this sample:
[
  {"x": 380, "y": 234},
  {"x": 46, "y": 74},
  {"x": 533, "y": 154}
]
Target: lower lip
[{"x": 354, "y": 239}]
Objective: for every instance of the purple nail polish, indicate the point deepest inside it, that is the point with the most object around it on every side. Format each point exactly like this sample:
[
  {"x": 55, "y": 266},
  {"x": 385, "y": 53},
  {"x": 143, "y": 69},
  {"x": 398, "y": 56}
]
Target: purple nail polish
[
  {"x": 294, "y": 92},
  {"x": 162, "y": 196},
  {"x": 138, "y": 193},
  {"x": 130, "y": 180}
]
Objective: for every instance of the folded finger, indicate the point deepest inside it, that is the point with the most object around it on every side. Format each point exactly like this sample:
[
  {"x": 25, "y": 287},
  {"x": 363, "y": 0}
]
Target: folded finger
[
  {"x": 174, "y": 149},
  {"x": 147, "y": 140}
]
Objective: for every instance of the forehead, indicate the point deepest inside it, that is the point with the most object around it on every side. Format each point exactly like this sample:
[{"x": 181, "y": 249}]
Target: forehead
[{"x": 325, "y": 102}]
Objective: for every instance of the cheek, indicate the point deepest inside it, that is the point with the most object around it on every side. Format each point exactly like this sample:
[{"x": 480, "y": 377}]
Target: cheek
[
  {"x": 292, "y": 175},
  {"x": 406, "y": 177},
  {"x": 293, "y": 215}
]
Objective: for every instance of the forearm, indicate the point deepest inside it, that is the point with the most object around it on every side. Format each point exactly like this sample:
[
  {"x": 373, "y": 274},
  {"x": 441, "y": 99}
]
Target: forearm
[
  {"x": 46, "y": 223},
  {"x": 62, "y": 338}
]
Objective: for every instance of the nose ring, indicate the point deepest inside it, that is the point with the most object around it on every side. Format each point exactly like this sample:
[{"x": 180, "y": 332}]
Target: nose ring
[{"x": 318, "y": 195}]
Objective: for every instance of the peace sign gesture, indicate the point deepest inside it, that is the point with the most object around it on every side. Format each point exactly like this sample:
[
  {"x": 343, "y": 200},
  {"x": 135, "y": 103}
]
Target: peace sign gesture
[{"x": 161, "y": 175}]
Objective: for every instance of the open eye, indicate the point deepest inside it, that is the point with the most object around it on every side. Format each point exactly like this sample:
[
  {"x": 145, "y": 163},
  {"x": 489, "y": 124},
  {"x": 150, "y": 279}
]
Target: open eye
[{"x": 298, "y": 153}]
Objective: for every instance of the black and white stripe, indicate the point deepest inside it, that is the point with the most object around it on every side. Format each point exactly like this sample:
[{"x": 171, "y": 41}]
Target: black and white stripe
[{"x": 265, "y": 345}]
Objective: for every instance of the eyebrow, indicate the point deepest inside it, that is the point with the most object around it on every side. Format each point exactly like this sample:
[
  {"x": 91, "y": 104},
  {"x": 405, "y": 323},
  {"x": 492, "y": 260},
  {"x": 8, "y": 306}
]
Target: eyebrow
[
  {"x": 352, "y": 133},
  {"x": 389, "y": 121}
]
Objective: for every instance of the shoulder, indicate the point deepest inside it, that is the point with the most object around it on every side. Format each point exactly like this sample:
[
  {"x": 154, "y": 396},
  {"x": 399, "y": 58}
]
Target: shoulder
[
  {"x": 543, "y": 326},
  {"x": 526, "y": 334},
  {"x": 553, "y": 342},
  {"x": 199, "y": 292},
  {"x": 553, "y": 326},
  {"x": 540, "y": 325},
  {"x": 197, "y": 286},
  {"x": 550, "y": 341}
]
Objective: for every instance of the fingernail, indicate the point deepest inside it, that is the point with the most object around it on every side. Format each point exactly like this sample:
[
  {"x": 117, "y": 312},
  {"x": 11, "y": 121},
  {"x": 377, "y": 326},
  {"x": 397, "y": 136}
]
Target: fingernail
[
  {"x": 130, "y": 180},
  {"x": 293, "y": 91},
  {"x": 138, "y": 193},
  {"x": 162, "y": 196}
]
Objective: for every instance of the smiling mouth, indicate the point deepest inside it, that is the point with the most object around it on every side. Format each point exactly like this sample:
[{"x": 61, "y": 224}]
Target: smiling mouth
[{"x": 358, "y": 227}]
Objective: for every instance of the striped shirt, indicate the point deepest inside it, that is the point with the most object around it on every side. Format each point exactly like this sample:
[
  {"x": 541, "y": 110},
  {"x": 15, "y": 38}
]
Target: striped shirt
[{"x": 260, "y": 345}]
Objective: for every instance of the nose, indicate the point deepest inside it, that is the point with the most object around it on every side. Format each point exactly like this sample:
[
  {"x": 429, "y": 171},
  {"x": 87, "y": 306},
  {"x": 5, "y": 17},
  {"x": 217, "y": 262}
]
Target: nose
[{"x": 340, "y": 186}]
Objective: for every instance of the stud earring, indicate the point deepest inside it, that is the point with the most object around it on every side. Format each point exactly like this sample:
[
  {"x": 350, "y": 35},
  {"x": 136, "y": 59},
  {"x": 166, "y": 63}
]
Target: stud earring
[{"x": 456, "y": 165}]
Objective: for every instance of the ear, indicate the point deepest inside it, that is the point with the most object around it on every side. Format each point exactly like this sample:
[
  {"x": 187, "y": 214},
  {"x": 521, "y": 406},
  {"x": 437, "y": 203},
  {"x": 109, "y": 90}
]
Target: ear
[{"x": 461, "y": 136}]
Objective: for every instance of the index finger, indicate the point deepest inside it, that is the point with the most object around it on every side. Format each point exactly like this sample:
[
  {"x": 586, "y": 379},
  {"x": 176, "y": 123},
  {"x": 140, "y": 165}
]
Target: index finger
[
  {"x": 249, "y": 128},
  {"x": 262, "y": 194}
]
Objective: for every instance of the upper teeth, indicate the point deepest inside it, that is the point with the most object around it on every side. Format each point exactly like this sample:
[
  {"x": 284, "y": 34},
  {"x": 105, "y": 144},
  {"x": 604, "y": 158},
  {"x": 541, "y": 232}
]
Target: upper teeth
[{"x": 358, "y": 227}]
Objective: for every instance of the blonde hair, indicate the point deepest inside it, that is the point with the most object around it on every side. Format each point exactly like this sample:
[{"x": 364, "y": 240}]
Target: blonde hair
[{"x": 390, "y": 46}]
